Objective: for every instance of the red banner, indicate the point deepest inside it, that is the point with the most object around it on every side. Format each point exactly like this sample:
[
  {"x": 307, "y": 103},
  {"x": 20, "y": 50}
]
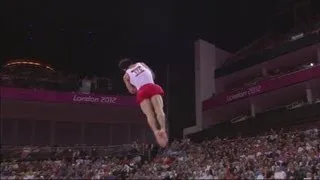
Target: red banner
[
  {"x": 263, "y": 87},
  {"x": 66, "y": 97}
]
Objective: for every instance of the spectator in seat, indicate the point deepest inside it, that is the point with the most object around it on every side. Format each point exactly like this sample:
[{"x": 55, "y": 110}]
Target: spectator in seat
[{"x": 86, "y": 84}]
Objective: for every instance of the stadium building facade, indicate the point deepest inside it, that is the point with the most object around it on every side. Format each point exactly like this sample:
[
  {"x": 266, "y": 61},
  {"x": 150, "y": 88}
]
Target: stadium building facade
[{"x": 282, "y": 81}]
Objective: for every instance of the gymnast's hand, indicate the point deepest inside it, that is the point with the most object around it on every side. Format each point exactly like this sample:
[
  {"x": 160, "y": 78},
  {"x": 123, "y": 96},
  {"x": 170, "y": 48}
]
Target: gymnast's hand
[{"x": 133, "y": 90}]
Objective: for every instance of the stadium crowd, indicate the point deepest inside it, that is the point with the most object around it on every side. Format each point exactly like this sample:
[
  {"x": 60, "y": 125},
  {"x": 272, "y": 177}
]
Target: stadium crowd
[{"x": 276, "y": 155}]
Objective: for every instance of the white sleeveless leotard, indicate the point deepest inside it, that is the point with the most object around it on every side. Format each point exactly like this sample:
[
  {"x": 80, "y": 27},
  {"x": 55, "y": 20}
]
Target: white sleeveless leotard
[{"x": 140, "y": 75}]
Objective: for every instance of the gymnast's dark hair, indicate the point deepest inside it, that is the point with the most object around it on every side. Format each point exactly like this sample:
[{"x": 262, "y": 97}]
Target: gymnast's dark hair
[{"x": 125, "y": 63}]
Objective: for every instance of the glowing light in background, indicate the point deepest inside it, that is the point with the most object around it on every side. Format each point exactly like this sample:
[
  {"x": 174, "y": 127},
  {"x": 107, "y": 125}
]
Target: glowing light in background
[{"x": 27, "y": 62}]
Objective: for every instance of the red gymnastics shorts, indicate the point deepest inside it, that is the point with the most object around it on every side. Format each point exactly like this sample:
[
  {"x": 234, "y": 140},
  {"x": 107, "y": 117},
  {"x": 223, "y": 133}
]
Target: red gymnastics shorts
[{"x": 147, "y": 91}]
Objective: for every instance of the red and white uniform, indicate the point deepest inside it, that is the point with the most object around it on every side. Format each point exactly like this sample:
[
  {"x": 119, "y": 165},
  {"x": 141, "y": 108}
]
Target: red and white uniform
[{"x": 141, "y": 77}]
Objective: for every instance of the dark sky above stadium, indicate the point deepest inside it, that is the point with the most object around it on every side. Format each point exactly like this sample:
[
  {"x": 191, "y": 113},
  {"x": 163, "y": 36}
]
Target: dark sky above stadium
[{"x": 91, "y": 36}]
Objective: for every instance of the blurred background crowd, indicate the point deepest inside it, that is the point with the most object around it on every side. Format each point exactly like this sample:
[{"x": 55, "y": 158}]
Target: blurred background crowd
[{"x": 283, "y": 154}]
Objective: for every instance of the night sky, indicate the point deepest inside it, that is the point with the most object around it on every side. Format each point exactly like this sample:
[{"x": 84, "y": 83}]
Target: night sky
[{"x": 89, "y": 37}]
